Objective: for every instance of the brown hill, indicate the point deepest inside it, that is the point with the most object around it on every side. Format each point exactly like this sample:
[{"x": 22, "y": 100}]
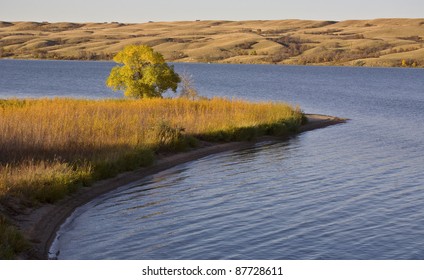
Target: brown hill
[{"x": 379, "y": 42}]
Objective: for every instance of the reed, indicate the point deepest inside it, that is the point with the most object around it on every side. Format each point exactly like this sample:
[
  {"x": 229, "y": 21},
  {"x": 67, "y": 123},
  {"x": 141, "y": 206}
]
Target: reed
[{"x": 50, "y": 147}]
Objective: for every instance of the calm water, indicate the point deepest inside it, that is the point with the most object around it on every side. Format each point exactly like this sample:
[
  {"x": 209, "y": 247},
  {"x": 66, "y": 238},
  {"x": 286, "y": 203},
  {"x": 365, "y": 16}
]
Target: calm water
[{"x": 351, "y": 191}]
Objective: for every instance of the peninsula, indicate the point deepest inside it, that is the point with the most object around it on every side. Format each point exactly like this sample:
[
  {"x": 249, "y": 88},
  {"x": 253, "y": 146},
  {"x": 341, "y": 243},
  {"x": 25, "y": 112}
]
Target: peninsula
[{"x": 58, "y": 154}]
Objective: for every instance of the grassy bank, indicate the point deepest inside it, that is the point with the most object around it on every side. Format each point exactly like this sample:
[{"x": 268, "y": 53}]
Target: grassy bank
[{"x": 51, "y": 147}]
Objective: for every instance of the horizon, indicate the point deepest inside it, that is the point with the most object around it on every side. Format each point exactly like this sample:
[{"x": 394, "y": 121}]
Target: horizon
[
  {"x": 133, "y": 11},
  {"x": 229, "y": 20}
]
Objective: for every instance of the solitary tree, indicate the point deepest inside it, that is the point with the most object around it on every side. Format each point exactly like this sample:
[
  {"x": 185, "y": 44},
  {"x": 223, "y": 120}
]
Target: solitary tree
[{"x": 143, "y": 73}]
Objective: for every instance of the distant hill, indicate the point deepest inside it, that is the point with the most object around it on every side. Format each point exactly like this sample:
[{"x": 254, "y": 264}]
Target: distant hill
[{"x": 379, "y": 42}]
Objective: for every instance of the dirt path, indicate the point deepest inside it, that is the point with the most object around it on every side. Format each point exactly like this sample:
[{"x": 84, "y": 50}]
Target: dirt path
[{"x": 40, "y": 225}]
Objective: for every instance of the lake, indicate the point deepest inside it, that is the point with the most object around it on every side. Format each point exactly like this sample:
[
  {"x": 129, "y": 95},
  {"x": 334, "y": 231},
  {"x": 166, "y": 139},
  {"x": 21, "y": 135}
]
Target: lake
[{"x": 350, "y": 191}]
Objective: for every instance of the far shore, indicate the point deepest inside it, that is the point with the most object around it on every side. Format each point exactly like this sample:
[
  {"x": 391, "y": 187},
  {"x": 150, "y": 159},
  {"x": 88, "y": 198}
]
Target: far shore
[
  {"x": 387, "y": 42},
  {"x": 40, "y": 225}
]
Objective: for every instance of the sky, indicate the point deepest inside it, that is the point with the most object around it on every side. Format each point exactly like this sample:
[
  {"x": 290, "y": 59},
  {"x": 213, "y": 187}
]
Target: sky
[{"x": 138, "y": 11}]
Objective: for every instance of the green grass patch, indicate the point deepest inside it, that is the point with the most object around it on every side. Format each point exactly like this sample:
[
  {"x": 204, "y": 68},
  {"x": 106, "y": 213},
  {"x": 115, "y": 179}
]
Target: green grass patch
[{"x": 12, "y": 242}]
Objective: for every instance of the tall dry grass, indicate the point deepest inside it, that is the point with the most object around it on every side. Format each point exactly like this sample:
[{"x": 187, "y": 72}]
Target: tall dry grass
[{"x": 48, "y": 146}]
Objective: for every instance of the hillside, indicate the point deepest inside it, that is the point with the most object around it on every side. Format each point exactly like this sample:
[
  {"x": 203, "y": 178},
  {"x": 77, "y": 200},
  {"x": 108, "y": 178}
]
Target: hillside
[{"x": 379, "y": 42}]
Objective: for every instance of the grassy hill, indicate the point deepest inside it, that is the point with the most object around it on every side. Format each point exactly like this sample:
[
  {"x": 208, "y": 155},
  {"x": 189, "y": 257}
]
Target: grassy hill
[{"x": 379, "y": 42}]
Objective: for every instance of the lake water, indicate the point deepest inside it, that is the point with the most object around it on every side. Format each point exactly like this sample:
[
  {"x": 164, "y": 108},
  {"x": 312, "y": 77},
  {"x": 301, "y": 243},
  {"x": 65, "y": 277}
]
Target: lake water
[{"x": 350, "y": 191}]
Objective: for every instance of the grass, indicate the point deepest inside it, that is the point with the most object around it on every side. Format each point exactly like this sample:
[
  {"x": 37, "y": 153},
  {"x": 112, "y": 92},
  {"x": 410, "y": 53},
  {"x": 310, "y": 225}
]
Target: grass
[
  {"x": 12, "y": 241},
  {"x": 51, "y": 147}
]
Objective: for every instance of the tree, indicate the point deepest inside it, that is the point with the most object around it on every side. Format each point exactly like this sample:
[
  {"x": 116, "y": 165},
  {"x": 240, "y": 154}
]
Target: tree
[
  {"x": 143, "y": 73},
  {"x": 404, "y": 63}
]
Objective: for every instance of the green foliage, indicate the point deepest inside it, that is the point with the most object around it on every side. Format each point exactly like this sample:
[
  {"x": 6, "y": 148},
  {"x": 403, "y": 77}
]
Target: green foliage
[
  {"x": 43, "y": 181},
  {"x": 122, "y": 161},
  {"x": 250, "y": 133},
  {"x": 168, "y": 134},
  {"x": 12, "y": 103},
  {"x": 12, "y": 242},
  {"x": 409, "y": 63},
  {"x": 171, "y": 138},
  {"x": 143, "y": 73}
]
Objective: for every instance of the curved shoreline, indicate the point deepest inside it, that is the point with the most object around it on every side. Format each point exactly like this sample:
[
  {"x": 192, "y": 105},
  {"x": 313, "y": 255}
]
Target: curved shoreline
[{"x": 41, "y": 224}]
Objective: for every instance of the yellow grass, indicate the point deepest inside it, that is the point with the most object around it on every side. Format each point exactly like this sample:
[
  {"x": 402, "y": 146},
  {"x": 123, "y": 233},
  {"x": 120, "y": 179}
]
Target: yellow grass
[
  {"x": 50, "y": 146},
  {"x": 379, "y": 42}
]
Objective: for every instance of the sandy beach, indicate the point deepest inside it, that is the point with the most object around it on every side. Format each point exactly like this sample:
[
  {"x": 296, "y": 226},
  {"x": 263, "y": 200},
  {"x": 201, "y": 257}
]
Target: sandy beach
[{"x": 41, "y": 224}]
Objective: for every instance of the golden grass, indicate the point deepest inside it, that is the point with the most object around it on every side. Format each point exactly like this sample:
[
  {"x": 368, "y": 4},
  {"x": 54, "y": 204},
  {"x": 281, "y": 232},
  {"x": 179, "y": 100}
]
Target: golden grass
[
  {"x": 50, "y": 146},
  {"x": 379, "y": 42}
]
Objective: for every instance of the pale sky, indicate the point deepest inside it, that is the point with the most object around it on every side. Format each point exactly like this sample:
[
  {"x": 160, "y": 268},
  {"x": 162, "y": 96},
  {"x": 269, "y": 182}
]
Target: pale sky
[{"x": 137, "y": 11}]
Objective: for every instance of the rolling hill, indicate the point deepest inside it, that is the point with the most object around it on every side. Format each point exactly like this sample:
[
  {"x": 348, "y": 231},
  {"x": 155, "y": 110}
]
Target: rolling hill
[{"x": 378, "y": 42}]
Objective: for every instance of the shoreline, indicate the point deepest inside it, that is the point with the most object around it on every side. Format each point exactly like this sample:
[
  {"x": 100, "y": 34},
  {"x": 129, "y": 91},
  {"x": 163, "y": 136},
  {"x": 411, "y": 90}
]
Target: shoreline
[
  {"x": 40, "y": 225},
  {"x": 224, "y": 63}
]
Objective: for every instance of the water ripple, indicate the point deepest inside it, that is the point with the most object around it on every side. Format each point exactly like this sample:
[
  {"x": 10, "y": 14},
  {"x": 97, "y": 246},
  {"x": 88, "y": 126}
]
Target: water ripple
[{"x": 352, "y": 191}]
